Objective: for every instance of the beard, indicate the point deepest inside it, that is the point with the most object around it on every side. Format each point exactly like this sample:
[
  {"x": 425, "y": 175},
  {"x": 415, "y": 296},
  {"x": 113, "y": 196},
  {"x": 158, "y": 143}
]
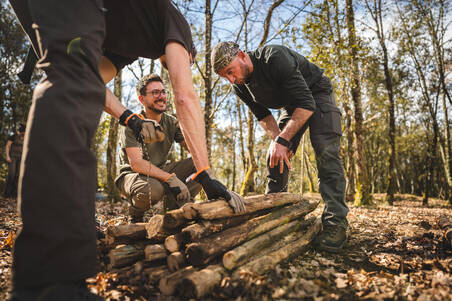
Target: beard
[
  {"x": 245, "y": 70},
  {"x": 156, "y": 110}
]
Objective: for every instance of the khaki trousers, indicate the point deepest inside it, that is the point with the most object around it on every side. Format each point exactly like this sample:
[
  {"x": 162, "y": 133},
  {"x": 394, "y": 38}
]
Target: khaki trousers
[{"x": 144, "y": 191}]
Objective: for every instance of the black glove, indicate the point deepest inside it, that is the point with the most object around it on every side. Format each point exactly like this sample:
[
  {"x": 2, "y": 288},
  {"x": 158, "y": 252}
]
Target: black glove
[
  {"x": 178, "y": 190},
  {"x": 215, "y": 190},
  {"x": 145, "y": 130}
]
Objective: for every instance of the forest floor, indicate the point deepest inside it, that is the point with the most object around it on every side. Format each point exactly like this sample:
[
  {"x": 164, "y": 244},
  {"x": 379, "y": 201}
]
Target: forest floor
[{"x": 393, "y": 253}]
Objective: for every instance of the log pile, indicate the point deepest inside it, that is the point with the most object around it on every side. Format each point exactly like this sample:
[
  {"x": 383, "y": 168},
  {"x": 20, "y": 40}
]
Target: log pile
[{"x": 189, "y": 250}]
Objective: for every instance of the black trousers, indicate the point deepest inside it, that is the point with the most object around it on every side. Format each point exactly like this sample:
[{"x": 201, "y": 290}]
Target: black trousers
[
  {"x": 58, "y": 182},
  {"x": 325, "y": 133},
  {"x": 12, "y": 179}
]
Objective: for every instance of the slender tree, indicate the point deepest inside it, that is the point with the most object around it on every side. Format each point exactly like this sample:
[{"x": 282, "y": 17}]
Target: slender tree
[
  {"x": 375, "y": 10},
  {"x": 112, "y": 190},
  {"x": 362, "y": 196}
]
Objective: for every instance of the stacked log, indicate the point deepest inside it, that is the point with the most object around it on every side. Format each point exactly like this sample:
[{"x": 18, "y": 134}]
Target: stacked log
[{"x": 189, "y": 250}]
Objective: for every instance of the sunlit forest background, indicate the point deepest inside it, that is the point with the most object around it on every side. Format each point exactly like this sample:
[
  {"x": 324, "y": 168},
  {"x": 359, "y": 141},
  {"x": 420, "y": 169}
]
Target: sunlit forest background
[{"x": 390, "y": 62}]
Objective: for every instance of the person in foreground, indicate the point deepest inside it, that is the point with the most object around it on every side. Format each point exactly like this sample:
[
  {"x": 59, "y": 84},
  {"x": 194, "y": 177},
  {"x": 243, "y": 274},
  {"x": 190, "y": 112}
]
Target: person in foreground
[
  {"x": 275, "y": 77},
  {"x": 145, "y": 177},
  {"x": 55, "y": 251}
]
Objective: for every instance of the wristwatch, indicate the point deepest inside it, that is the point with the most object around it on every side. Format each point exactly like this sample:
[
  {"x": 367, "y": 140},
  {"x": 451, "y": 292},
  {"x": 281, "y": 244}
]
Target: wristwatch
[{"x": 283, "y": 142}]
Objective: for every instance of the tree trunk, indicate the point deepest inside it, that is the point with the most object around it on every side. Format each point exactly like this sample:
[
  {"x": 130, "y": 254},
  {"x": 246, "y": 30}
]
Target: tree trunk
[
  {"x": 243, "y": 253},
  {"x": 208, "y": 116},
  {"x": 362, "y": 196},
  {"x": 241, "y": 140},
  {"x": 376, "y": 14},
  {"x": 265, "y": 263},
  {"x": 209, "y": 247},
  {"x": 248, "y": 182},
  {"x": 112, "y": 190}
]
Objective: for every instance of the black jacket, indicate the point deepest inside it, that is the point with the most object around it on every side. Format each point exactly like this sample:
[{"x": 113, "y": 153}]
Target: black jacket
[{"x": 281, "y": 78}]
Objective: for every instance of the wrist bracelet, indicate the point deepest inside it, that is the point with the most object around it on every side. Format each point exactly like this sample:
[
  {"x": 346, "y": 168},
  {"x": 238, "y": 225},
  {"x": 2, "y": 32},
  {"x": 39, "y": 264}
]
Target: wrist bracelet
[{"x": 284, "y": 142}]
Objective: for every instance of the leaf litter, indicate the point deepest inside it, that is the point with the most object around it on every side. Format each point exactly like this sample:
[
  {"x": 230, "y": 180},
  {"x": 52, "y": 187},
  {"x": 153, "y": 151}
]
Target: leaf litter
[{"x": 395, "y": 252}]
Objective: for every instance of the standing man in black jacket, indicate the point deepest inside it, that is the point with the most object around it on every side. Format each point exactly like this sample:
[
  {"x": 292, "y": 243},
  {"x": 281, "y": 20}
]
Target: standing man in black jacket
[{"x": 276, "y": 77}]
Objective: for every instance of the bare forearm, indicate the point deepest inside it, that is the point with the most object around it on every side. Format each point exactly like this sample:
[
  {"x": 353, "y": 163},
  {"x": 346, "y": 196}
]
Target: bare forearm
[
  {"x": 108, "y": 71},
  {"x": 112, "y": 105},
  {"x": 147, "y": 168},
  {"x": 298, "y": 119},
  {"x": 270, "y": 126},
  {"x": 188, "y": 107}
]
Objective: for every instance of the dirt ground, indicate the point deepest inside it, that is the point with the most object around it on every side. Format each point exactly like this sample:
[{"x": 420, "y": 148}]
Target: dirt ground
[{"x": 393, "y": 253}]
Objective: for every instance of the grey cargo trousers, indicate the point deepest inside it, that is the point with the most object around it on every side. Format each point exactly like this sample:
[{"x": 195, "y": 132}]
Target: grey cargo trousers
[
  {"x": 57, "y": 184},
  {"x": 145, "y": 191},
  {"x": 325, "y": 132}
]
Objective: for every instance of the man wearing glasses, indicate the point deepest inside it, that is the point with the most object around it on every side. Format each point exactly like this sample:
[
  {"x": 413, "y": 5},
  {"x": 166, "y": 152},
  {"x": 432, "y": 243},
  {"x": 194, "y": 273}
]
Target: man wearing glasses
[{"x": 144, "y": 177}]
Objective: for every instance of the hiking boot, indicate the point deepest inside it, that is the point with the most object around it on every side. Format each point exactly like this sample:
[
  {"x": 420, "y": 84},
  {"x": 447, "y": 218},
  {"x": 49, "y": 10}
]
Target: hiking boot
[
  {"x": 331, "y": 239},
  {"x": 56, "y": 292}
]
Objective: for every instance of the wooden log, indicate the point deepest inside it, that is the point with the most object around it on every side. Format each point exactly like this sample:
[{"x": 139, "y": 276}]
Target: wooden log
[
  {"x": 176, "y": 261},
  {"x": 204, "y": 228},
  {"x": 241, "y": 254},
  {"x": 267, "y": 262},
  {"x": 174, "y": 218},
  {"x": 156, "y": 273},
  {"x": 174, "y": 243},
  {"x": 155, "y": 252},
  {"x": 221, "y": 209},
  {"x": 155, "y": 230},
  {"x": 126, "y": 254},
  {"x": 168, "y": 284},
  {"x": 201, "y": 252},
  {"x": 127, "y": 233},
  {"x": 200, "y": 283}
]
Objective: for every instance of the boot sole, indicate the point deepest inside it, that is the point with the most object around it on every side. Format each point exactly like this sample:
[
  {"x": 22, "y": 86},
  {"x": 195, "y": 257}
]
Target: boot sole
[{"x": 320, "y": 247}]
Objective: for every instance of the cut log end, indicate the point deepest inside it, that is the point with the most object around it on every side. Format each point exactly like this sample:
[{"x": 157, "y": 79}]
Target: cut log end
[
  {"x": 176, "y": 261},
  {"x": 195, "y": 254}
]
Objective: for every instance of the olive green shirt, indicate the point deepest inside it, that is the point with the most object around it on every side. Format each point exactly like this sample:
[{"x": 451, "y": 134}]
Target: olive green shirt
[{"x": 158, "y": 151}]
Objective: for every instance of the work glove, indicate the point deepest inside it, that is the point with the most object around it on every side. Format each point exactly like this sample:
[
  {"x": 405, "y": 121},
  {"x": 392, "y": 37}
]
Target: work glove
[
  {"x": 145, "y": 130},
  {"x": 215, "y": 190},
  {"x": 177, "y": 189}
]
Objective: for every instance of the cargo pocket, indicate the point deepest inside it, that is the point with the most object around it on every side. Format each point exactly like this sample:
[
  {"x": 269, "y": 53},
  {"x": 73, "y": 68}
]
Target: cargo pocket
[{"x": 326, "y": 119}]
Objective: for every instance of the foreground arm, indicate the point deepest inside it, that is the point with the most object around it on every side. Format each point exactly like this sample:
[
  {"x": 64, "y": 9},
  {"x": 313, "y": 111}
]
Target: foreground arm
[
  {"x": 144, "y": 131},
  {"x": 191, "y": 120},
  {"x": 188, "y": 106}
]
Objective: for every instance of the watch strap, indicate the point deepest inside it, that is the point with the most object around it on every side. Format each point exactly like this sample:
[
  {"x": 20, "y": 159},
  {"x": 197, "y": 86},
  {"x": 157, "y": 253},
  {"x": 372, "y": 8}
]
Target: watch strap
[{"x": 283, "y": 142}]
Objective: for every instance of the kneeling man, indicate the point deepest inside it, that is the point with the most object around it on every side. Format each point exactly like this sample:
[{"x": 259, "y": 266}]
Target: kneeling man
[{"x": 144, "y": 176}]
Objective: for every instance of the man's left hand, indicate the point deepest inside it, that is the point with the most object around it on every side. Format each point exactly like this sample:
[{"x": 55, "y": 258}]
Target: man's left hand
[{"x": 279, "y": 155}]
